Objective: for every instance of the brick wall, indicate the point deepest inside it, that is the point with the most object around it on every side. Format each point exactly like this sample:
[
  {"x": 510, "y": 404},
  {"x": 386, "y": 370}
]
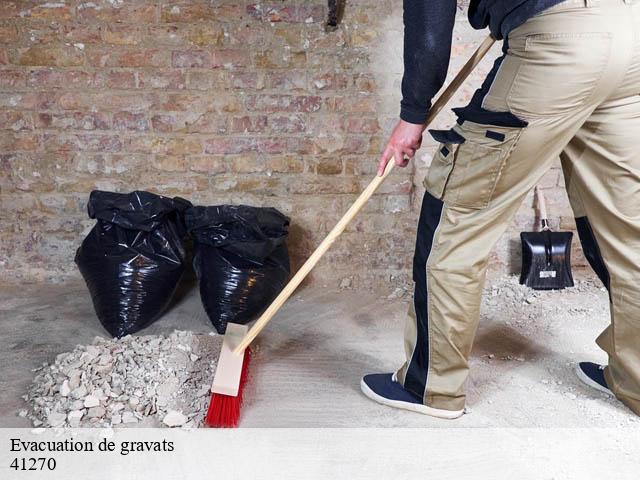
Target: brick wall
[{"x": 219, "y": 102}]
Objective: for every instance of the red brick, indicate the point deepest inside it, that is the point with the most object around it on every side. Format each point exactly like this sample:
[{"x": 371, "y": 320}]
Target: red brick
[
  {"x": 247, "y": 163},
  {"x": 283, "y": 103},
  {"x": 125, "y": 13},
  {"x": 247, "y": 81},
  {"x": 172, "y": 35},
  {"x": 352, "y": 104},
  {"x": 179, "y": 146},
  {"x": 329, "y": 166},
  {"x": 285, "y": 13},
  {"x": 392, "y": 185},
  {"x": 130, "y": 121},
  {"x": 111, "y": 101},
  {"x": 170, "y": 163},
  {"x": 272, "y": 59},
  {"x": 60, "y": 78},
  {"x": 132, "y": 57},
  {"x": 163, "y": 79},
  {"x": 361, "y": 125},
  {"x": 365, "y": 83},
  {"x": 229, "y": 145},
  {"x": 51, "y": 11},
  {"x": 208, "y": 123},
  {"x": 229, "y": 58},
  {"x": 360, "y": 165},
  {"x": 191, "y": 59},
  {"x": 291, "y": 37},
  {"x": 82, "y": 142},
  {"x": 177, "y": 12},
  {"x": 164, "y": 123},
  {"x": 312, "y": 185},
  {"x": 285, "y": 164},
  {"x": 8, "y": 34},
  {"x": 290, "y": 80},
  {"x": 117, "y": 79},
  {"x": 206, "y": 34},
  {"x": 242, "y": 35},
  {"x": 208, "y": 164},
  {"x": 120, "y": 34},
  {"x": 12, "y": 78},
  {"x": 248, "y": 124},
  {"x": 15, "y": 121},
  {"x": 324, "y": 124},
  {"x": 74, "y": 121},
  {"x": 301, "y": 145},
  {"x": 51, "y": 55},
  {"x": 11, "y": 10},
  {"x": 337, "y": 144},
  {"x": 272, "y": 145},
  {"x": 287, "y": 123},
  {"x": 330, "y": 81},
  {"x": 272, "y": 13},
  {"x": 206, "y": 80},
  {"x": 182, "y": 102},
  {"x": 24, "y": 101},
  {"x": 253, "y": 183}
]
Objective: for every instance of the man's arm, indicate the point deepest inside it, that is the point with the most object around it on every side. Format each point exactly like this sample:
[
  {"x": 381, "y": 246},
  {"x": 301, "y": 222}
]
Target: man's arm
[{"x": 428, "y": 28}]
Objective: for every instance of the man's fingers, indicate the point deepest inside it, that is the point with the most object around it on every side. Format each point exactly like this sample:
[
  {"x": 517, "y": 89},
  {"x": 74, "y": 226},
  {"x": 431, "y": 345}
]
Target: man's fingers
[
  {"x": 399, "y": 158},
  {"x": 384, "y": 159},
  {"x": 400, "y": 155},
  {"x": 410, "y": 152}
]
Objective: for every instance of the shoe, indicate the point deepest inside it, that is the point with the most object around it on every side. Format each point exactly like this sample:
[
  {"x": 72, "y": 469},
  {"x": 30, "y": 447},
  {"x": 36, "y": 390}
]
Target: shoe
[
  {"x": 385, "y": 389},
  {"x": 592, "y": 374}
]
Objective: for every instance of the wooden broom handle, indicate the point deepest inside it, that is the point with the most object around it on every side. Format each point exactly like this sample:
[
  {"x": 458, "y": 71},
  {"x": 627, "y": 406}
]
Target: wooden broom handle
[{"x": 300, "y": 275}]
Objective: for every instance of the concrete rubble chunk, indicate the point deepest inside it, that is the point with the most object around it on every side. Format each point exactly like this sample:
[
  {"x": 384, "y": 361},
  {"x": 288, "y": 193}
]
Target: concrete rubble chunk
[
  {"x": 56, "y": 419},
  {"x": 129, "y": 417},
  {"x": 91, "y": 401},
  {"x": 96, "y": 412},
  {"x": 79, "y": 392},
  {"x": 65, "y": 389},
  {"x": 74, "y": 416},
  {"x": 174, "y": 419}
]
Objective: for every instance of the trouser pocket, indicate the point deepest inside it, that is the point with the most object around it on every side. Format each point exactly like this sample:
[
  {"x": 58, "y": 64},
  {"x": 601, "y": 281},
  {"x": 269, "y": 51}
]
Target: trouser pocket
[{"x": 465, "y": 170}]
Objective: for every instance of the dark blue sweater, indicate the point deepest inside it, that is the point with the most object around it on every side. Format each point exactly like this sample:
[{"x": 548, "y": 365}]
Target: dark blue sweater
[{"x": 428, "y": 28}]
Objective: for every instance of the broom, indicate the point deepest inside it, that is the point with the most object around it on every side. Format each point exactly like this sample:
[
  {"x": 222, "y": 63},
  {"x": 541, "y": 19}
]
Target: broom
[{"x": 231, "y": 372}]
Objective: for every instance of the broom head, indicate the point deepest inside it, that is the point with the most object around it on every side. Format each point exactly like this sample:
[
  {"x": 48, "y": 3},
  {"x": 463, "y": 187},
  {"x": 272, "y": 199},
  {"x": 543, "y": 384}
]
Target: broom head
[
  {"x": 224, "y": 410},
  {"x": 229, "y": 381}
]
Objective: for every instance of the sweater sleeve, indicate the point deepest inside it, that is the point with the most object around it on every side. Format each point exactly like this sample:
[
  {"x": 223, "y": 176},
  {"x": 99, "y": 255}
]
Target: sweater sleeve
[{"x": 428, "y": 29}]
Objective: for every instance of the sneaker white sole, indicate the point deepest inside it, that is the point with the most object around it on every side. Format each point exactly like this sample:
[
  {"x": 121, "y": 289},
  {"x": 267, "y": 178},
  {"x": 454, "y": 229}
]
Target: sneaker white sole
[
  {"x": 412, "y": 407},
  {"x": 593, "y": 384}
]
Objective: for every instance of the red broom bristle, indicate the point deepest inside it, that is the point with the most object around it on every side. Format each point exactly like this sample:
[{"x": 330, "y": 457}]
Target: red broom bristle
[{"x": 224, "y": 410}]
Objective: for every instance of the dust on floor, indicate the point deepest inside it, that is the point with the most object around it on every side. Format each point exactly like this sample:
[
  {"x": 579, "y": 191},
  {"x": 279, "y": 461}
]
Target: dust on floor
[{"x": 309, "y": 361}]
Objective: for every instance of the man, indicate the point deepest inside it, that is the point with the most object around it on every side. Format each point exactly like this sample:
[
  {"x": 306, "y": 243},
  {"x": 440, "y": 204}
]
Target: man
[{"x": 567, "y": 85}]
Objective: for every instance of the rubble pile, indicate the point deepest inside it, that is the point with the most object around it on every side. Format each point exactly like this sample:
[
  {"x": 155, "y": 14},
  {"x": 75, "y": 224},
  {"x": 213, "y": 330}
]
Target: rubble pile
[{"x": 132, "y": 381}]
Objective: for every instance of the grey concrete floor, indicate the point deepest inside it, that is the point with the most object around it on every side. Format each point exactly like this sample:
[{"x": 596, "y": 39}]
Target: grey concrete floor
[{"x": 308, "y": 362}]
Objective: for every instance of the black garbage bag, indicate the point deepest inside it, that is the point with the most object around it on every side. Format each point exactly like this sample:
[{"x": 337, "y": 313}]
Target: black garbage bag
[
  {"x": 241, "y": 260},
  {"x": 133, "y": 258}
]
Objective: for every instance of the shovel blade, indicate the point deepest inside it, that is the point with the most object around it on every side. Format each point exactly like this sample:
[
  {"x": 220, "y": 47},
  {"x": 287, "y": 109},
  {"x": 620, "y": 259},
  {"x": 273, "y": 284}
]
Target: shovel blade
[{"x": 546, "y": 260}]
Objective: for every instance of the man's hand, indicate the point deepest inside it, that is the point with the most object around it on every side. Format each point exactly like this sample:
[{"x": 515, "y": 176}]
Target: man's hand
[{"x": 402, "y": 145}]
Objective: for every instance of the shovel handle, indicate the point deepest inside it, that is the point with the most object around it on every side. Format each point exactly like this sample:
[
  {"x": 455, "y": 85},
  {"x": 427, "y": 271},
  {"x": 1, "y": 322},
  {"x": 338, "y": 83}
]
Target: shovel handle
[
  {"x": 311, "y": 262},
  {"x": 542, "y": 207}
]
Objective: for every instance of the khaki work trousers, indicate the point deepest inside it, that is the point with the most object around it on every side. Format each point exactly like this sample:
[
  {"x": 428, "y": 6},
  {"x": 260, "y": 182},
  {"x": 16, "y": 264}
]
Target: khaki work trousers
[{"x": 567, "y": 85}]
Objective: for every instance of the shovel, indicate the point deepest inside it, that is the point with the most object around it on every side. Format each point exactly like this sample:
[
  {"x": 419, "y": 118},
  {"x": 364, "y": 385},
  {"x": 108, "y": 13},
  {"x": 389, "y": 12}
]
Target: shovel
[{"x": 546, "y": 255}]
